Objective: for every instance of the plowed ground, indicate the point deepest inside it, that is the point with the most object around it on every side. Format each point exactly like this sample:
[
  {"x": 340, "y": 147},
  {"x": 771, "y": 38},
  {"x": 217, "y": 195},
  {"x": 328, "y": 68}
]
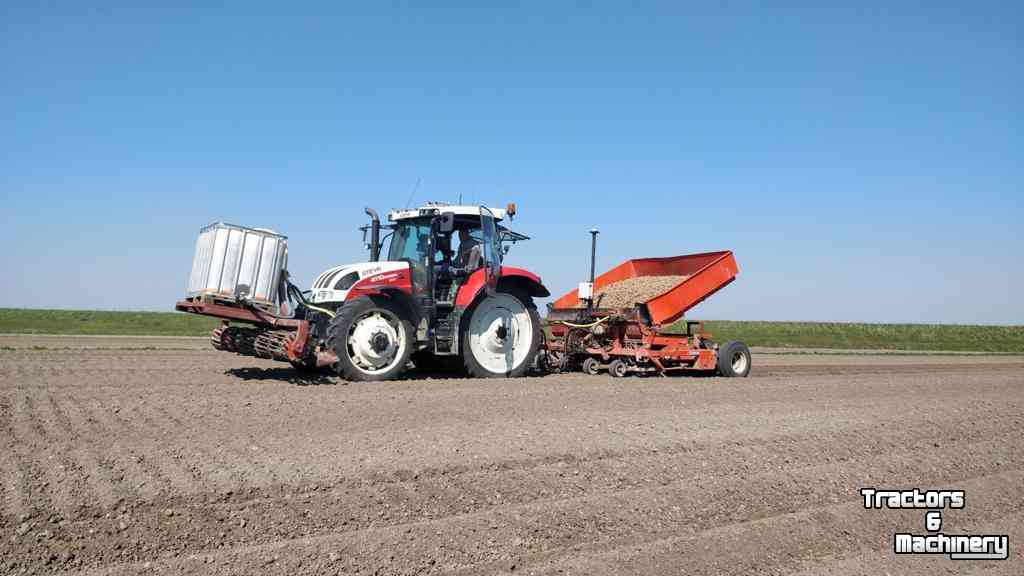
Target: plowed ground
[{"x": 193, "y": 461}]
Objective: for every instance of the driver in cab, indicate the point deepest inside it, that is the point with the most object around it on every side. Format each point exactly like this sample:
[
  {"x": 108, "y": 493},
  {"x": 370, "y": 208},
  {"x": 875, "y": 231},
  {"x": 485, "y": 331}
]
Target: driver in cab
[{"x": 468, "y": 258}]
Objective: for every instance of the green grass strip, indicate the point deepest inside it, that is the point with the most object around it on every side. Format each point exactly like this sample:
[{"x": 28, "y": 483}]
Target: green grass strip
[
  {"x": 834, "y": 335},
  {"x": 95, "y": 322}
]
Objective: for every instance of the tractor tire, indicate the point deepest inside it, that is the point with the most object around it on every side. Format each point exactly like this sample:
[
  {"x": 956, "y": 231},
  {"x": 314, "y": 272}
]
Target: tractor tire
[
  {"x": 500, "y": 335},
  {"x": 372, "y": 338},
  {"x": 734, "y": 360}
]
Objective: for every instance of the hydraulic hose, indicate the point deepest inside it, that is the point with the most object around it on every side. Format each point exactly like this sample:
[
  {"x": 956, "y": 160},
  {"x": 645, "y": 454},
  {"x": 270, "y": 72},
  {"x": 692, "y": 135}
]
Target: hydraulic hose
[
  {"x": 591, "y": 325},
  {"x": 298, "y": 296}
]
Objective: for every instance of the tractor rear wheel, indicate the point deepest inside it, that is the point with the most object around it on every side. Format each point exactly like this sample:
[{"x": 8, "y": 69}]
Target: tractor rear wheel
[
  {"x": 733, "y": 360},
  {"x": 500, "y": 335},
  {"x": 372, "y": 339}
]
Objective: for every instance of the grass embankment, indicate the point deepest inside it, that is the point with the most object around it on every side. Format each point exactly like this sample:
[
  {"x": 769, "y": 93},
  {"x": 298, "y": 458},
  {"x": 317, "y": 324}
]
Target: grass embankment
[
  {"x": 95, "y": 322},
  {"x": 925, "y": 337},
  {"x": 847, "y": 336}
]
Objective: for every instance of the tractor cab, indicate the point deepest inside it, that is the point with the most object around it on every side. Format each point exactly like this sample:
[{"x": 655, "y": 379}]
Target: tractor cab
[
  {"x": 434, "y": 288},
  {"x": 444, "y": 245},
  {"x": 440, "y": 280}
]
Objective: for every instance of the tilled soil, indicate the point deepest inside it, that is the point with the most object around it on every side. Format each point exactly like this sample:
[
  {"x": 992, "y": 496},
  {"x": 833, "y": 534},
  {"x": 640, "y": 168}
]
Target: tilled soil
[{"x": 194, "y": 461}]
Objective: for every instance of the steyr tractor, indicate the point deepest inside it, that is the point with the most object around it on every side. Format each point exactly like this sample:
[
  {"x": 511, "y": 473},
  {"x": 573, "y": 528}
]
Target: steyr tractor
[{"x": 441, "y": 297}]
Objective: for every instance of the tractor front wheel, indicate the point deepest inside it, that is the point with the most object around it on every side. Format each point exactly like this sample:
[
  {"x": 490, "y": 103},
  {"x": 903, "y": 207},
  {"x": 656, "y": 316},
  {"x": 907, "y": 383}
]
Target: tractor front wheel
[{"x": 372, "y": 339}]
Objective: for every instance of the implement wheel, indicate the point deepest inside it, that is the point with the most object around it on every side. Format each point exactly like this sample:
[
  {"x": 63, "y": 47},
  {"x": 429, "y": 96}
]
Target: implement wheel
[
  {"x": 618, "y": 368},
  {"x": 591, "y": 366},
  {"x": 734, "y": 360}
]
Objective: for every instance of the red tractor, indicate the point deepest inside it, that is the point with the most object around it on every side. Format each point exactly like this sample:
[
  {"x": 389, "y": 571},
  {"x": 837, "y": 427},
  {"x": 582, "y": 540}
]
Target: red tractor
[{"x": 440, "y": 298}]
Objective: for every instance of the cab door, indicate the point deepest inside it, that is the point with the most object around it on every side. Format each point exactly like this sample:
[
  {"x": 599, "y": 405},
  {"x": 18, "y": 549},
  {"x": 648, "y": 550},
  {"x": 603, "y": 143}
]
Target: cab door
[{"x": 490, "y": 250}]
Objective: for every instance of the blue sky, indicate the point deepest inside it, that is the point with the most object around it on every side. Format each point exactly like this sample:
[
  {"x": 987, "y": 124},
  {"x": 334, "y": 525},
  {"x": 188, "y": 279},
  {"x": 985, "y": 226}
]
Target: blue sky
[{"x": 862, "y": 159}]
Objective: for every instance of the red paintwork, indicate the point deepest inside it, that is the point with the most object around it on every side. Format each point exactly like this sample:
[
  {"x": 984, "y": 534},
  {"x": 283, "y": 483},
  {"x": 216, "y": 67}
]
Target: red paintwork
[
  {"x": 252, "y": 315},
  {"x": 475, "y": 283},
  {"x": 296, "y": 347},
  {"x": 378, "y": 283},
  {"x": 325, "y": 358},
  {"x": 664, "y": 351},
  {"x": 707, "y": 273},
  {"x": 706, "y": 360}
]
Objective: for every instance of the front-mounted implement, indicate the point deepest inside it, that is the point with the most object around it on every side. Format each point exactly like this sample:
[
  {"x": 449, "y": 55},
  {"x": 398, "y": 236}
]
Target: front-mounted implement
[{"x": 239, "y": 275}]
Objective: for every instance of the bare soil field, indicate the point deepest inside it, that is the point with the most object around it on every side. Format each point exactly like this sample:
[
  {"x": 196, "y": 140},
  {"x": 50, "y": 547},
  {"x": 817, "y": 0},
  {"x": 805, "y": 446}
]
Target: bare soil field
[{"x": 168, "y": 461}]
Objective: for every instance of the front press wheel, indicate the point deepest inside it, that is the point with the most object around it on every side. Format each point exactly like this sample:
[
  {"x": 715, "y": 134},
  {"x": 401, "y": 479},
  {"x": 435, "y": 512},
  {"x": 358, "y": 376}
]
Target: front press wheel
[
  {"x": 618, "y": 368},
  {"x": 372, "y": 339},
  {"x": 500, "y": 335},
  {"x": 734, "y": 360}
]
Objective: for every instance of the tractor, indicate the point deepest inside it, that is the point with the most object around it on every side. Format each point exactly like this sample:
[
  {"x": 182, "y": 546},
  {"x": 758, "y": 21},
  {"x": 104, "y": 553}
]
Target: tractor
[{"x": 440, "y": 298}]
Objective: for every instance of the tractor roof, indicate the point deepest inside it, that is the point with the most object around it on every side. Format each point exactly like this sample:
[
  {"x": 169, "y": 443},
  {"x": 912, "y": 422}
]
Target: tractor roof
[{"x": 434, "y": 208}]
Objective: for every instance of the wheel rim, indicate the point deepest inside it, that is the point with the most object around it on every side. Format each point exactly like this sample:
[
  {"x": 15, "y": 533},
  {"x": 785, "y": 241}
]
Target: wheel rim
[
  {"x": 620, "y": 369},
  {"x": 376, "y": 341},
  {"x": 500, "y": 333},
  {"x": 739, "y": 362}
]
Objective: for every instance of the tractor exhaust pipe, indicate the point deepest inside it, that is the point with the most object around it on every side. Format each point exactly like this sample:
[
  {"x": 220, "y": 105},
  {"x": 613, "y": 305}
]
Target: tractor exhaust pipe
[{"x": 374, "y": 234}]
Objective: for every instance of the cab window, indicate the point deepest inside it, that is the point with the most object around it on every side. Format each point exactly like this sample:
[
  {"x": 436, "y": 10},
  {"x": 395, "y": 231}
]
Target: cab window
[{"x": 411, "y": 242}]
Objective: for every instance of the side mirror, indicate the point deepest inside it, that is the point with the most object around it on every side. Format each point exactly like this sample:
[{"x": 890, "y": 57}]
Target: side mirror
[{"x": 446, "y": 224}]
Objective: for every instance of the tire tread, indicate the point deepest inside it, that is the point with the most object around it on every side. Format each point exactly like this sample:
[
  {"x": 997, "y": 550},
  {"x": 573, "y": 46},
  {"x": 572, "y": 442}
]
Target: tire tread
[{"x": 340, "y": 324}]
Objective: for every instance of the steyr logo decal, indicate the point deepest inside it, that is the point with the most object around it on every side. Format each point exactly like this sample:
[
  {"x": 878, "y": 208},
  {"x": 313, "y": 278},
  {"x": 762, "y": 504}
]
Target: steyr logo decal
[{"x": 385, "y": 277}]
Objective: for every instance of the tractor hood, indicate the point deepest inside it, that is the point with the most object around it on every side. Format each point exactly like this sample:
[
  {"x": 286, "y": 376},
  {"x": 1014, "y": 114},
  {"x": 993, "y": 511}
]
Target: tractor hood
[{"x": 333, "y": 285}]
